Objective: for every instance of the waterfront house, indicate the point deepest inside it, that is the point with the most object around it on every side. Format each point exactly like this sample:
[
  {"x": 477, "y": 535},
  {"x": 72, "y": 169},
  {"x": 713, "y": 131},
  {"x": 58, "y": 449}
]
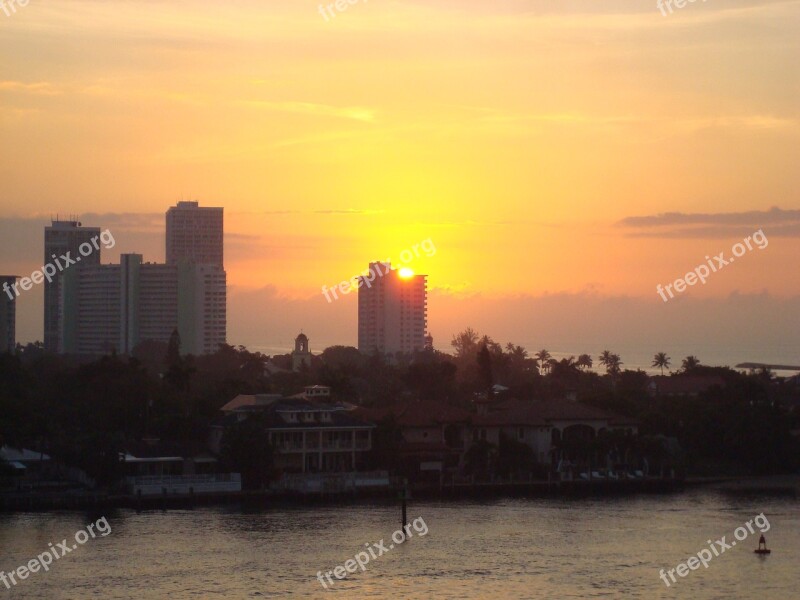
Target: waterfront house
[
  {"x": 436, "y": 437},
  {"x": 20, "y": 467},
  {"x": 433, "y": 435},
  {"x": 548, "y": 427},
  {"x": 152, "y": 467},
  {"x": 309, "y": 431}
]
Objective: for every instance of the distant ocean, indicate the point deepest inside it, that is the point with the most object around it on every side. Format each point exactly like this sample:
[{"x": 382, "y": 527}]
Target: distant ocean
[
  {"x": 711, "y": 355},
  {"x": 635, "y": 358}
]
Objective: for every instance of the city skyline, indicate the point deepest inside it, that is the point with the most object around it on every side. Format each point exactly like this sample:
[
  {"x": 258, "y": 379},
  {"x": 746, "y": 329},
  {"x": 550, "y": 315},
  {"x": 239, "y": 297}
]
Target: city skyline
[
  {"x": 591, "y": 190},
  {"x": 94, "y": 308},
  {"x": 596, "y": 314}
]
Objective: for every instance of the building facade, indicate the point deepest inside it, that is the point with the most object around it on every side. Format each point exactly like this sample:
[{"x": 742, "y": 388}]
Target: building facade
[
  {"x": 8, "y": 314},
  {"x": 61, "y": 237},
  {"x": 392, "y": 310},
  {"x": 115, "y": 307},
  {"x": 94, "y": 309},
  {"x": 309, "y": 432},
  {"x": 194, "y": 234}
]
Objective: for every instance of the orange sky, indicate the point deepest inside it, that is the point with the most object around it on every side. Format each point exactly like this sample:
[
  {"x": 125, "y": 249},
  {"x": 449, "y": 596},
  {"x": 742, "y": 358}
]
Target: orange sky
[{"x": 520, "y": 136}]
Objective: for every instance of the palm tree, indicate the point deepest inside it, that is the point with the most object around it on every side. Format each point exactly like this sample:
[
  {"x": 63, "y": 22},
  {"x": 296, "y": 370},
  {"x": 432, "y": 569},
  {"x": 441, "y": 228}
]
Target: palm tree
[
  {"x": 518, "y": 352},
  {"x": 584, "y": 361},
  {"x": 661, "y": 360},
  {"x": 690, "y": 362},
  {"x": 614, "y": 365},
  {"x": 465, "y": 343},
  {"x": 543, "y": 356},
  {"x": 605, "y": 357}
]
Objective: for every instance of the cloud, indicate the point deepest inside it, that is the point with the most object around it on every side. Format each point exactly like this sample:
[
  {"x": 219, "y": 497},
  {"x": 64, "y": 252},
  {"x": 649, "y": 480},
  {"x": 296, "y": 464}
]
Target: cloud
[
  {"x": 322, "y": 211},
  {"x": 41, "y": 88},
  {"x": 781, "y": 223},
  {"x": 145, "y": 222}
]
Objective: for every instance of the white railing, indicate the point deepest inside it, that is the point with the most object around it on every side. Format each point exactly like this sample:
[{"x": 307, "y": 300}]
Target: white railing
[{"x": 332, "y": 482}]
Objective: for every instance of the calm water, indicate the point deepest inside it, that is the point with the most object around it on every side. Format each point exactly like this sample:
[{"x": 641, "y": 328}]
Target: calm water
[{"x": 591, "y": 548}]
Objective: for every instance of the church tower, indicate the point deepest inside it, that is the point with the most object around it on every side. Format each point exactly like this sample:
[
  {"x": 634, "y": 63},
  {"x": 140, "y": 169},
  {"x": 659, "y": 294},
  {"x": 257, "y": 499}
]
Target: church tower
[{"x": 301, "y": 354}]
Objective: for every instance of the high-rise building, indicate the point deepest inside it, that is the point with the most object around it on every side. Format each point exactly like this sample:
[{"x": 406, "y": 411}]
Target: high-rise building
[
  {"x": 195, "y": 245},
  {"x": 194, "y": 234},
  {"x": 392, "y": 310},
  {"x": 202, "y": 307},
  {"x": 8, "y": 313},
  {"x": 60, "y": 238},
  {"x": 114, "y": 307}
]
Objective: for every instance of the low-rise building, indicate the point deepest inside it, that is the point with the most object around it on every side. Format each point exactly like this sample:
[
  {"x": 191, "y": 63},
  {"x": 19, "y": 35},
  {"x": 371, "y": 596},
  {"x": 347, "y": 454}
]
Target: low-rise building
[
  {"x": 437, "y": 437},
  {"x": 154, "y": 468},
  {"x": 544, "y": 425},
  {"x": 433, "y": 435},
  {"x": 309, "y": 432}
]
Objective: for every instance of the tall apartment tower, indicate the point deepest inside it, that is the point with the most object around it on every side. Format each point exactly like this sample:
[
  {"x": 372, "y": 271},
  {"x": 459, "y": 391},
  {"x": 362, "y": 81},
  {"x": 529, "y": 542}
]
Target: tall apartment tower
[
  {"x": 194, "y": 234},
  {"x": 8, "y": 314},
  {"x": 195, "y": 245},
  {"x": 392, "y": 311},
  {"x": 59, "y": 238},
  {"x": 114, "y": 307}
]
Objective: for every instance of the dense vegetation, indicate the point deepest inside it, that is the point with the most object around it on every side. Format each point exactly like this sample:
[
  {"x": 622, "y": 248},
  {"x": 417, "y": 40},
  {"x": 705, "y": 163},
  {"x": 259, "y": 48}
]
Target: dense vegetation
[{"x": 84, "y": 412}]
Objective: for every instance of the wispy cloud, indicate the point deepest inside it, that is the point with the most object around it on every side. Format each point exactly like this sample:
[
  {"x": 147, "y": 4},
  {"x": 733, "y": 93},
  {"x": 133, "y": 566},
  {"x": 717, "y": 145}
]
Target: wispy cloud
[
  {"x": 781, "y": 223},
  {"x": 327, "y": 211},
  {"x": 41, "y": 88}
]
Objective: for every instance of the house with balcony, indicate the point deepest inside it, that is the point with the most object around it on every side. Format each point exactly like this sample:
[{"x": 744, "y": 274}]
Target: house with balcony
[{"x": 309, "y": 432}]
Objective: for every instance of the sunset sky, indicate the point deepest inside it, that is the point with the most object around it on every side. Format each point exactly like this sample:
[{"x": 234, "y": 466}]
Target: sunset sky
[{"x": 564, "y": 157}]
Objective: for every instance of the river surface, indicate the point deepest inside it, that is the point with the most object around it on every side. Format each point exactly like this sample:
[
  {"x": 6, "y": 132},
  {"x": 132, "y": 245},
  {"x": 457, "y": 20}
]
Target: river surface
[{"x": 505, "y": 548}]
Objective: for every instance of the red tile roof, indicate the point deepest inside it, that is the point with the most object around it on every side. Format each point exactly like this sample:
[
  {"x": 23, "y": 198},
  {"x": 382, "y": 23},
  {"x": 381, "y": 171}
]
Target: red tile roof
[
  {"x": 540, "y": 413},
  {"x": 685, "y": 384},
  {"x": 499, "y": 413},
  {"x": 417, "y": 414}
]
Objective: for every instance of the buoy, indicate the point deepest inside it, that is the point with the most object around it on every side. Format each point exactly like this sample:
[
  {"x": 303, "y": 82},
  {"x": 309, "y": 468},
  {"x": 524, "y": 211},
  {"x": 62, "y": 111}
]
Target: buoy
[{"x": 762, "y": 546}]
